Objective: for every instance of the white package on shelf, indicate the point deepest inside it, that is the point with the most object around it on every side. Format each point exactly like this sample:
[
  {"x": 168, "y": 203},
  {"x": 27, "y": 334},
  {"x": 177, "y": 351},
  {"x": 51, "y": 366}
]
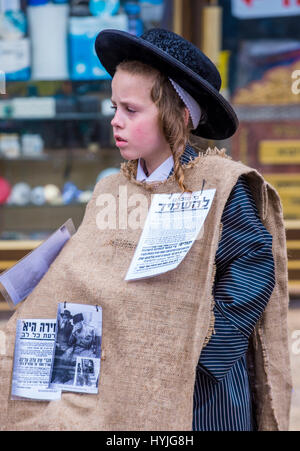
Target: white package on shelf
[
  {"x": 37, "y": 107},
  {"x": 48, "y": 30}
]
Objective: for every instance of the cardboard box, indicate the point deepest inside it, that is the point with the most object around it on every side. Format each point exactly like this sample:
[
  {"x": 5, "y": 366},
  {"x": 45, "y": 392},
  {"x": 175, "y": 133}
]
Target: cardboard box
[{"x": 15, "y": 59}]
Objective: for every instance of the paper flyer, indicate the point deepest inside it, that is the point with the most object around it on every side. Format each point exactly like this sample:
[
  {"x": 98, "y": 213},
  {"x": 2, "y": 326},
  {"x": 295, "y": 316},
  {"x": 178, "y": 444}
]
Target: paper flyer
[
  {"x": 172, "y": 225},
  {"x": 34, "y": 346},
  {"x": 18, "y": 282}
]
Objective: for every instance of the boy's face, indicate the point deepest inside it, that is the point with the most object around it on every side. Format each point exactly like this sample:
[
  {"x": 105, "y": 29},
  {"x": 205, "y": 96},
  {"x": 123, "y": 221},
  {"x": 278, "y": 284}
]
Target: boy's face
[{"x": 135, "y": 124}]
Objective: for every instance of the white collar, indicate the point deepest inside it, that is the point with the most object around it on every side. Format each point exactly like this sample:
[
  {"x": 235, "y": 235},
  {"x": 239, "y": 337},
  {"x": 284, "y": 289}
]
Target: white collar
[{"x": 159, "y": 175}]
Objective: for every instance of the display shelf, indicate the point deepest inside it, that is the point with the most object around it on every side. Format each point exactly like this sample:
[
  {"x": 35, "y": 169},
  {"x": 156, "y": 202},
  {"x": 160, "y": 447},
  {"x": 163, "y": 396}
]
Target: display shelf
[
  {"x": 103, "y": 83},
  {"x": 61, "y": 154},
  {"x": 19, "y": 207},
  {"x": 293, "y": 251},
  {"x": 63, "y": 117},
  {"x": 258, "y": 113},
  {"x": 18, "y": 245},
  {"x": 34, "y": 219},
  {"x": 4, "y": 307}
]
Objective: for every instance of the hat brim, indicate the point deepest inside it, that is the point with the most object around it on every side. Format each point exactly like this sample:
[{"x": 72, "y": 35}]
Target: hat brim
[{"x": 115, "y": 46}]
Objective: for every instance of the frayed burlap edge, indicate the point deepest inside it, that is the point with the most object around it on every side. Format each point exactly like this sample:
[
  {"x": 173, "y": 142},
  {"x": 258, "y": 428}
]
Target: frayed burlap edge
[
  {"x": 211, "y": 328},
  {"x": 129, "y": 168}
]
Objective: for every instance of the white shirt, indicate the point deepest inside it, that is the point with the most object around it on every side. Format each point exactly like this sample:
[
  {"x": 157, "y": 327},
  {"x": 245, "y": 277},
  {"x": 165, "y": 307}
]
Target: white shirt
[{"x": 159, "y": 175}]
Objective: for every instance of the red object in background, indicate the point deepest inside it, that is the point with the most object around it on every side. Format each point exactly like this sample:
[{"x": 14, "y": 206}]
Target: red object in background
[
  {"x": 5, "y": 190},
  {"x": 285, "y": 2},
  {"x": 288, "y": 2}
]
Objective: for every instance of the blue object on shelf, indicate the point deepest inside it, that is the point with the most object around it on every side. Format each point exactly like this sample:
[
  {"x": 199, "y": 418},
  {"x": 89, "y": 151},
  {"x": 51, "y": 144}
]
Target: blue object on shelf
[
  {"x": 37, "y": 2},
  {"x": 15, "y": 59},
  {"x": 135, "y": 24},
  {"x": 152, "y": 12},
  {"x": 106, "y": 172},
  {"x": 153, "y": 2},
  {"x": 19, "y": 75},
  {"x": 17, "y": 19},
  {"x": 70, "y": 193},
  {"x": 37, "y": 195},
  {"x": 84, "y": 63},
  {"x": 20, "y": 194},
  {"x": 98, "y": 7}
]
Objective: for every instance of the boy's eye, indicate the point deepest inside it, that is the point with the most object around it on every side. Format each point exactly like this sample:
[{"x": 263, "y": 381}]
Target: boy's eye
[{"x": 130, "y": 110}]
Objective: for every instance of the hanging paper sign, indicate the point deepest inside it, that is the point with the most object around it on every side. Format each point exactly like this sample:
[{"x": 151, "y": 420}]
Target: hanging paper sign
[
  {"x": 253, "y": 9},
  {"x": 34, "y": 346},
  {"x": 172, "y": 225},
  {"x": 18, "y": 282}
]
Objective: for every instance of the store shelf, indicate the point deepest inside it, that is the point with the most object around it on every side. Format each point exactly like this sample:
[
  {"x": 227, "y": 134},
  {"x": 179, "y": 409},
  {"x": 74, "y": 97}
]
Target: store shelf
[
  {"x": 61, "y": 154},
  {"x": 34, "y": 219},
  {"x": 104, "y": 83},
  {"x": 63, "y": 117},
  {"x": 18, "y": 207},
  {"x": 18, "y": 245},
  {"x": 4, "y": 307},
  {"x": 293, "y": 251},
  {"x": 258, "y": 113}
]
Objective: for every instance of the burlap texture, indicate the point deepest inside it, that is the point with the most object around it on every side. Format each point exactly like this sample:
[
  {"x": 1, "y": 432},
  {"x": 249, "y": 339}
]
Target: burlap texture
[{"x": 153, "y": 329}]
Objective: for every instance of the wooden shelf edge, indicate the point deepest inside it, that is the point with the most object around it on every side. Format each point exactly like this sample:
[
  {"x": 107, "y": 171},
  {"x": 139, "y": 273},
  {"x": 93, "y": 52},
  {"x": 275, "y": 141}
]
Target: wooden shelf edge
[{"x": 19, "y": 244}]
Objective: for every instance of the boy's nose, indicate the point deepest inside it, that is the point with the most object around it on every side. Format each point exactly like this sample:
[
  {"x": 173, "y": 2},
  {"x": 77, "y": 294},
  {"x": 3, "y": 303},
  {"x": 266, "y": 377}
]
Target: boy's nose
[{"x": 117, "y": 120}]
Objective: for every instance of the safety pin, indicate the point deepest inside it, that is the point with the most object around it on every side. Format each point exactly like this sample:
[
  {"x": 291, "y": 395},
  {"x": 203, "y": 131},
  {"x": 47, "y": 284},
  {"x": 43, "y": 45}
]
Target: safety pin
[{"x": 203, "y": 183}]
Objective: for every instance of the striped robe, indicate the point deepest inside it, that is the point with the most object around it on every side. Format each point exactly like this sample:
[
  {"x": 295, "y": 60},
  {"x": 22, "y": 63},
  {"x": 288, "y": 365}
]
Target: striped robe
[{"x": 243, "y": 285}]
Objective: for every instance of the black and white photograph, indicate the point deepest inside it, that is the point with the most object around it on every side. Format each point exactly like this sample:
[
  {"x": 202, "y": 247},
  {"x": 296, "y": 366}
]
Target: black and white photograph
[
  {"x": 86, "y": 372},
  {"x": 76, "y": 362}
]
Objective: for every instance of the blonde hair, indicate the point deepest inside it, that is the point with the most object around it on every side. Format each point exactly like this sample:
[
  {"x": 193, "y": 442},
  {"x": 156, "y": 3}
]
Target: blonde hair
[{"x": 171, "y": 110}]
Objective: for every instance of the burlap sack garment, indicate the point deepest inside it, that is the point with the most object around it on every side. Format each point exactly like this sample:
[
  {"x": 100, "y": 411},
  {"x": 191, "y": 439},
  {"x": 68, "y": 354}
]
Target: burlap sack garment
[{"x": 153, "y": 329}]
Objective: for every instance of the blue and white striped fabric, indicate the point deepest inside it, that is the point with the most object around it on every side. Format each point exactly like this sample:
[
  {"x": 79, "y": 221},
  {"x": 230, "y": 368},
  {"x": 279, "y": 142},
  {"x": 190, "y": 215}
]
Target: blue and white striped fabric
[{"x": 243, "y": 285}]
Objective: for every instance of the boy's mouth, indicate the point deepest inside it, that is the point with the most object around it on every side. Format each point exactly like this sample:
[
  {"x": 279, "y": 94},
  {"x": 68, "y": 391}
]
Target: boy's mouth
[{"x": 119, "y": 140}]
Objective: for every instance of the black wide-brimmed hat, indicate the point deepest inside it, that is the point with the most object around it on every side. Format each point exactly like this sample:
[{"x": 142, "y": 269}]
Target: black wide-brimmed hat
[
  {"x": 77, "y": 318},
  {"x": 180, "y": 60},
  {"x": 66, "y": 313}
]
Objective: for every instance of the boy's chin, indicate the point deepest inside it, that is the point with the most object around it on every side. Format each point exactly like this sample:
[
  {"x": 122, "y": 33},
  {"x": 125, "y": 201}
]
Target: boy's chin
[{"x": 129, "y": 156}]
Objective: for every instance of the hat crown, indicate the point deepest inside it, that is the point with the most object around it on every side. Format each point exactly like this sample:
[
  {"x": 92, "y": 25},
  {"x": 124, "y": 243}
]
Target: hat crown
[
  {"x": 184, "y": 52},
  {"x": 78, "y": 317},
  {"x": 66, "y": 312}
]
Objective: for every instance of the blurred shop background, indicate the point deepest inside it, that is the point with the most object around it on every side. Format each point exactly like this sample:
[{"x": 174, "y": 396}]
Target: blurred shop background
[{"x": 55, "y": 135}]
